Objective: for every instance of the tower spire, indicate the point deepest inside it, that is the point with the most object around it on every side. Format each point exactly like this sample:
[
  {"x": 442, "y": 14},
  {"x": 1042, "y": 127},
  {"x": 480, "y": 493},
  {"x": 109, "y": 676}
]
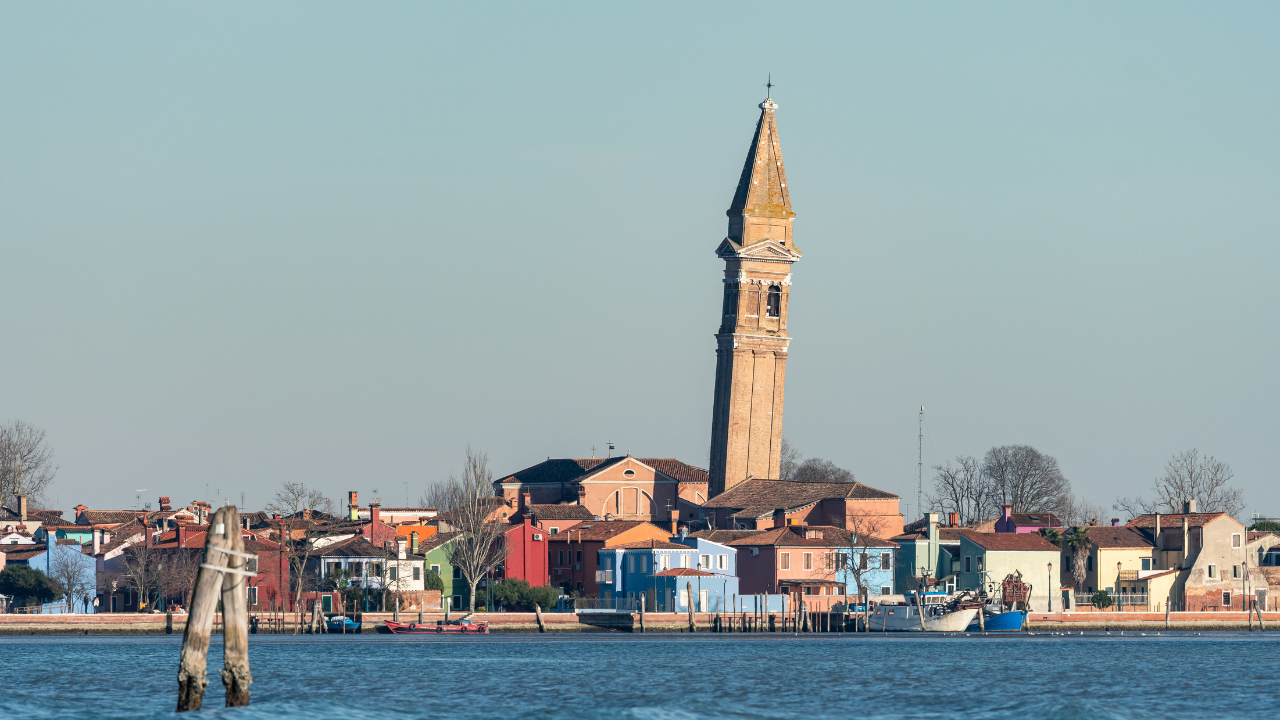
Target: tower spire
[{"x": 761, "y": 205}]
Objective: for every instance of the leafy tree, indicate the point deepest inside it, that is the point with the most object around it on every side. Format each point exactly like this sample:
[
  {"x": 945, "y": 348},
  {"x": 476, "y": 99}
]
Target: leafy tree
[
  {"x": 433, "y": 581},
  {"x": 1102, "y": 599},
  {"x": 545, "y": 596},
  {"x": 29, "y": 586},
  {"x": 1052, "y": 535},
  {"x": 817, "y": 470},
  {"x": 1077, "y": 541},
  {"x": 518, "y": 593},
  {"x": 1265, "y": 526}
]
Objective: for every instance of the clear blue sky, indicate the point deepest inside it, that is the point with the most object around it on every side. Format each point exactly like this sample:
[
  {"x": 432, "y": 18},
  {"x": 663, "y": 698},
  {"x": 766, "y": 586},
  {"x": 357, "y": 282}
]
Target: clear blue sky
[{"x": 246, "y": 243}]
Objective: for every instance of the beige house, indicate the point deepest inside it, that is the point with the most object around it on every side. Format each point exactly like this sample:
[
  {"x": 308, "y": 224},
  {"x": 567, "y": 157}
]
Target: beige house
[
  {"x": 986, "y": 559},
  {"x": 1208, "y": 552}
]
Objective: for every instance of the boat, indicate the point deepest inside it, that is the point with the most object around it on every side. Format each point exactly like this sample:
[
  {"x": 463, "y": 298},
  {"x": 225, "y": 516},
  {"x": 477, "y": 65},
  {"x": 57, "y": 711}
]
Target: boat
[
  {"x": 906, "y": 618},
  {"x": 462, "y": 627},
  {"x": 996, "y": 621},
  {"x": 341, "y": 623}
]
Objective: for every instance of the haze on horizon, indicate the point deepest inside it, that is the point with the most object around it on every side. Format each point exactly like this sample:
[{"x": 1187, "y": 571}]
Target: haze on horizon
[{"x": 242, "y": 244}]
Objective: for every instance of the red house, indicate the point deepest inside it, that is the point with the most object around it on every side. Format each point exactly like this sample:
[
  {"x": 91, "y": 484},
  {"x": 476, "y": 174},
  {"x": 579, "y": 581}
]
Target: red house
[{"x": 527, "y": 559}]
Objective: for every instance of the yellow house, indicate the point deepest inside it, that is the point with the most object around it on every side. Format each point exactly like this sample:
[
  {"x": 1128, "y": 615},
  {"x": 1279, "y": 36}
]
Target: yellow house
[{"x": 1121, "y": 562}]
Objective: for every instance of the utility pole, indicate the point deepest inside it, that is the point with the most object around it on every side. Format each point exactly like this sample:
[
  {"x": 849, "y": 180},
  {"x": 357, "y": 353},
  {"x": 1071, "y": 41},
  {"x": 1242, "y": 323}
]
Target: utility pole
[{"x": 920, "y": 464}]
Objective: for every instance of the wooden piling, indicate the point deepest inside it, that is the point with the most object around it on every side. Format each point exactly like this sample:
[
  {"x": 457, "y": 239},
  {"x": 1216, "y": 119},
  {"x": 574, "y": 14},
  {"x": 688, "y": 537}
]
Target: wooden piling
[
  {"x": 235, "y": 619},
  {"x": 693, "y": 627},
  {"x": 537, "y": 613},
  {"x": 642, "y": 599},
  {"x": 204, "y": 605}
]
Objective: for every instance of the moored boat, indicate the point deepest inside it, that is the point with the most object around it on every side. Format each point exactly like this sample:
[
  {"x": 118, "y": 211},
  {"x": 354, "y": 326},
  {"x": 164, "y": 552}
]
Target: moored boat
[
  {"x": 1000, "y": 622},
  {"x": 340, "y": 624},
  {"x": 462, "y": 627},
  {"x": 906, "y": 618}
]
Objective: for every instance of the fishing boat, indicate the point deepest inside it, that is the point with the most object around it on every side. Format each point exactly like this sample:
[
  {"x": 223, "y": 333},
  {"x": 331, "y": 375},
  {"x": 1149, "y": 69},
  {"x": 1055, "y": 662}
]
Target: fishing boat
[
  {"x": 907, "y": 618},
  {"x": 341, "y": 623},
  {"x": 996, "y": 621},
  {"x": 462, "y": 627}
]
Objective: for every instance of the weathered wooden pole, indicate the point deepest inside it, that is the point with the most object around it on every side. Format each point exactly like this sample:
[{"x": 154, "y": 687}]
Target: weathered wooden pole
[
  {"x": 537, "y": 613},
  {"x": 693, "y": 627},
  {"x": 642, "y": 598},
  {"x": 204, "y": 605},
  {"x": 235, "y": 618}
]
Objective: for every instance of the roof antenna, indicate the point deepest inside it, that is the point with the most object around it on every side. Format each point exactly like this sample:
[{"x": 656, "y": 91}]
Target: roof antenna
[
  {"x": 769, "y": 87},
  {"x": 610, "y": 444}
]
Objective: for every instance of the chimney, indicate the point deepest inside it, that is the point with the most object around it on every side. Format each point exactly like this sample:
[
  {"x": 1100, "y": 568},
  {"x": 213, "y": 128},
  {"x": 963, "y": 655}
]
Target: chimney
[
  {"x": 1157, "y": 536},
  {"x": 306, "y": 514},
  {"x": 375, "y": 512},
  {"x": 79, "y": 511},
  {"x": 22, "y": 508},
  {"x": 954, "y": 519},
  {"x": 780, "y": 517},
  {"x": 933, "y": 542},
  {"x": 97, "y": 541},
  {"x": 353, "y": 506},
  {"x": 400, "y": 545},
  {"x": 413, "y": 542},
  {"x": 1115, "y": 522},
  {"x": 1186, "y": 537},
  {"x": 525, "y": 500},
  {"x": 165, "y": 505},
  {"x": 1008, "y": 512},
  {"x": 1191, "y": 506}
]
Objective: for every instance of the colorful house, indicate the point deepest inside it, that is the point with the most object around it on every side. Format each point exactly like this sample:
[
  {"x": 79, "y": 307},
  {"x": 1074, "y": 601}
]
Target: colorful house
[
  {"x": 757, "y": 505},
  {"x": 814, "y": 560},
  {"x": 988, "y": 558},
  {"x": 1012, "y": 522},
  {"x": 574, "y": 556},
  {"x": 1208, "y": 551}
]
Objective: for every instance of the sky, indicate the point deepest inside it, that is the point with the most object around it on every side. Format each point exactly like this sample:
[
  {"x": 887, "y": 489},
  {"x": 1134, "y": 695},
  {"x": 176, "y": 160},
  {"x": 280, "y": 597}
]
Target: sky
[{"x": 243, "y": 244}]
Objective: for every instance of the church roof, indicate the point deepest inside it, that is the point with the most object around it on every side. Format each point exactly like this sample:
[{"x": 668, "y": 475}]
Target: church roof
[
  {"x": 762, "y": 188},
  {"x": 759, "y": 498},
  {"x": 563, "y": 470}
]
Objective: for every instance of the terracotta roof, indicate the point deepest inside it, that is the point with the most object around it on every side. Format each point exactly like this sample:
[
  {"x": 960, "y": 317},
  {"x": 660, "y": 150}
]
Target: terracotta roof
[
  {"x": 684, "y": 572},
  {"x": 723, "y": 536},
  {"x": 796, "y": 536},
  {"x": 561, "y": 511},
  {"x": 564, "y": 470},
  {"x": 1168, "y": 522},
  {"x": 1105, "y": 536},
  {"x": 44, "y": 517},
  {"x": 652, "y": 545},
  {"x": 435, "y": 541},
  {"x": 1036, "y": 519},
  {"x": 597, "y": 530},
  {"x": 22, "y": 553},
  {"x": 759, "y": 498},
  {"x": 1010, "y": 541},
  {"x": 355, "y": 547}
]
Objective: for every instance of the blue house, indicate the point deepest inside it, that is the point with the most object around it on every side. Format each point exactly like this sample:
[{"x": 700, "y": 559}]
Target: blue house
[
  {"x": 50, "y": 556},
  {"x": 662, "y": 573}
]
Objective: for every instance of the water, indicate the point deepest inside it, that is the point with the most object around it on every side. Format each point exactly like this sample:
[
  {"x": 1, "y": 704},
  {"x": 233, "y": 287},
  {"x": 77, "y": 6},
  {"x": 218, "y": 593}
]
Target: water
[{"x": 1213, "y": 675}]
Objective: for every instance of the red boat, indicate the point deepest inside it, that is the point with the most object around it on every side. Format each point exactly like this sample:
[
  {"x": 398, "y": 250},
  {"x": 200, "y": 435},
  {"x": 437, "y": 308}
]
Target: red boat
[{"x": 462, "y": 627}]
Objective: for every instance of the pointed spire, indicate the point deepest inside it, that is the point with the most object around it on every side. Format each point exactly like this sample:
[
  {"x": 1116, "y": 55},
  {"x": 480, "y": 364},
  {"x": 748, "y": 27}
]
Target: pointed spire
[{"x": 762, "y": 188}]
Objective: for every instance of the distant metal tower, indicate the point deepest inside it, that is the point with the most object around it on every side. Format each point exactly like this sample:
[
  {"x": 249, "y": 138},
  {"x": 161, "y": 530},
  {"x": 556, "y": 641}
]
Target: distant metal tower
[{"x": 920, "y": 464}]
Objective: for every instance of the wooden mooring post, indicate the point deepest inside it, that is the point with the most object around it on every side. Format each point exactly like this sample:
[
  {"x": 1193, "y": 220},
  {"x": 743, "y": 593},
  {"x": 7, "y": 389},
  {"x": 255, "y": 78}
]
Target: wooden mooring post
[{"x": 221, "y": 574}]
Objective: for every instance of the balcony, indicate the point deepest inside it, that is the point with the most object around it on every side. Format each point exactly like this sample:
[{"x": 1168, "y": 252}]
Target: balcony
[{"x": 604, "y": 577}]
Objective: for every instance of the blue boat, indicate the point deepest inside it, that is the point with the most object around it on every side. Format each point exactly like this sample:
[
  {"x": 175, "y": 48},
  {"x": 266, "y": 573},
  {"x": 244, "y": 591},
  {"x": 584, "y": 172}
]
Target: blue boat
[
  {"x": 1001, "y": 622},
  {"x": 339, "y": 624}
]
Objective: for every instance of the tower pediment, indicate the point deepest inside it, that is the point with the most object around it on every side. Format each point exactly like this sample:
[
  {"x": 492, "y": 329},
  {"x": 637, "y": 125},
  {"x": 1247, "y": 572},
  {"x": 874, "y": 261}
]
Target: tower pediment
[{"x": 763, "y": 250}]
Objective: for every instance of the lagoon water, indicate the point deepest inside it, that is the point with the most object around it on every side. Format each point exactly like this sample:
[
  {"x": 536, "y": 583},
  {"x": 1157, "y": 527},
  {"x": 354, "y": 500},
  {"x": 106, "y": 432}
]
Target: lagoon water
[{"x": 1181, "y": 675}]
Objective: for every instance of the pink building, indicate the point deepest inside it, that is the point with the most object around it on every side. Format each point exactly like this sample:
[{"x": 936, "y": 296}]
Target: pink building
[{"x": 1012, "y": 522}]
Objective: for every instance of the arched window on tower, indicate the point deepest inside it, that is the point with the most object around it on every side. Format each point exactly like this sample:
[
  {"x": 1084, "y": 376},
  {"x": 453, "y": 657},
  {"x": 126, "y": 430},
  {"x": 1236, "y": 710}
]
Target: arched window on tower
[{"x": 773, "y": 305}]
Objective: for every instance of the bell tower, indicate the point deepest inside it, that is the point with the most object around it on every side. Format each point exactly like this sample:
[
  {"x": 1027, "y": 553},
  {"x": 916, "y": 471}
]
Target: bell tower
[{"x": 752, "y": 343}]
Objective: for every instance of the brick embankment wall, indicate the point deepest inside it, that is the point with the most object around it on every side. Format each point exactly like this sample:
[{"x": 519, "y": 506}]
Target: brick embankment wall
[
  {"x": 1095, "y": 620},
  {"x": 100, "y": 624}
]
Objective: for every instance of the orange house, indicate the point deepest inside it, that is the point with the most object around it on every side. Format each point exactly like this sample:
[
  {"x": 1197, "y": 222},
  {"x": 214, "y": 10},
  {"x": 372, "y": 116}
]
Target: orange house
[{"x": 574, "y": 554}]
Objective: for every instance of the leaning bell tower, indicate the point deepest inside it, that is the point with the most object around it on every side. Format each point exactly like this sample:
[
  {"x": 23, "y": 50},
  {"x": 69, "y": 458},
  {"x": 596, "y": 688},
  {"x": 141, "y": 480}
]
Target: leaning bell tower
[{"x": 752, "y": 343}]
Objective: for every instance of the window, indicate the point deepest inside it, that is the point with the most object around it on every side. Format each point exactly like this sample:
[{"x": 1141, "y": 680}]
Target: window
[
  {"x": 435, "y": 569},
  {"x": 979, "y": 559},
  {"x": 1235, "y": 571},
  {"x": 253, "y": 596},
  {"x": 252, "y": 564},
  {"x": 722, "y": 562},
  {"x": 457, "y": 573},
  {"x": 1235, "y": 540},
  {"x": 326, "y": 603},
  {"x": 684, "y": 560},
  {"x": 357, "y": 570},
  {"x": 417, "y": 572},
  {"x": 828, "y": 561},
  {"x": 606, "y": 563},
  {"x": 864, "y": 561},
  {"x": 886, "y": 590},
  {"x": 559, "y": 557},
  {"x": 684, "y": 598},
  {"x": 968, "y": 564},
  {"x": 886, "y": 561},
  {"x": 1213, "y": 571},
  {"x": 1088, "y": 564},
  {"x": 579, "y": 556},
  {"x": 730, "y": 300},
  {"x": 842, "y": 561},
  {"x": 773, "y": 305},
  {"x": 1226, "y": 599},
  {"x": 1146, "y": 563},
  {"x": 394, "y": 574},
  {"x": 455, "y": 601},
  {"x": 664, "y": 561},
  {"x": 644, "y": 563},
  {"x": 808, "y": 561},
  {"x": 631, "y": 563},
  {"x": 784, "y": 561},
  {"x": 705, "y": 562},
  {"x": 555, "y": 531}
]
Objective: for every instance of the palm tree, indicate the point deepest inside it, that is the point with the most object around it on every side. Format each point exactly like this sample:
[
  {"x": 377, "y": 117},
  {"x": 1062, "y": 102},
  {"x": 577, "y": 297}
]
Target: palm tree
[
  {"x": 1052, "y": 535},
  {"x": 1077, "y": 541}
]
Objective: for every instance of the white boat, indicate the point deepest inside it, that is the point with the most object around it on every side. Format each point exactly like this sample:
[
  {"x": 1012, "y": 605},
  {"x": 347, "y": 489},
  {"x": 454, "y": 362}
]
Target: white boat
[{"x": 906, "y": 618}]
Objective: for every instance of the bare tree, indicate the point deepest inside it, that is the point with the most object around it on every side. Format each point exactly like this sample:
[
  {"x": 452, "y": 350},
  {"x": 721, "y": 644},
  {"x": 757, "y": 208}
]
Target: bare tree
[
  {"x": 861, "y": 541},
  {"x": 962, "y": 488},
  {"x": 791, "y": 459},
  {"x": 138, "y": 564},
  {"x": 294, "y": 497},
  {"x": 438, "y": 495},
  {"x": 817, "y": 470},
  {"x": 1079, "y": 511},
  {"x": 1189, "y": 476},
  {"x": 1021, "y": 476},
  {"x": 180, "y": 568},
  {"x": 482, "y": 545},
  {"x": 73, "y": 570},
  {"x": 26, "y": 463}
]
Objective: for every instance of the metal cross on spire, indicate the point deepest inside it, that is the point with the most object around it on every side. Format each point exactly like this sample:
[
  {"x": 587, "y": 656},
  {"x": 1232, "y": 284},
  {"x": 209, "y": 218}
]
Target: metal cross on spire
[{"x": 769, "y": 87}]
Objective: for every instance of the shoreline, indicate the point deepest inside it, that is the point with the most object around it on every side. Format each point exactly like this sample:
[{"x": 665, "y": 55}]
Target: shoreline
[{"x": 656, "y": 623}]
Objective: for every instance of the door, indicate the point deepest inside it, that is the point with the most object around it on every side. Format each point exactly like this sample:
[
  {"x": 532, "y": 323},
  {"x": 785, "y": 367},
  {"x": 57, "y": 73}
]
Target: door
[{"x": 702, "y": 601}]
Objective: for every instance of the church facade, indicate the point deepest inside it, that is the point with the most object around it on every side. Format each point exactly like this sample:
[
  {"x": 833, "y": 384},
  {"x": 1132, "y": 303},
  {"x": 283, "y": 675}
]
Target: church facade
[{"x": 752, "y": 342}]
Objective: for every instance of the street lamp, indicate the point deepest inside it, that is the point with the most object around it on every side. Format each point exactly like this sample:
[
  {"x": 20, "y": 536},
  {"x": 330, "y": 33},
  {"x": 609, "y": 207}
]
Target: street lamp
[
  {"x": 1119, "y": 597},
  {"x": 1049, "y": 587}
]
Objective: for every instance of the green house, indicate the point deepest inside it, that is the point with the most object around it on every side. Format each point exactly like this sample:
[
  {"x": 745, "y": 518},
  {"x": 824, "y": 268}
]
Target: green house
[{"x": 435, "y": 554}]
